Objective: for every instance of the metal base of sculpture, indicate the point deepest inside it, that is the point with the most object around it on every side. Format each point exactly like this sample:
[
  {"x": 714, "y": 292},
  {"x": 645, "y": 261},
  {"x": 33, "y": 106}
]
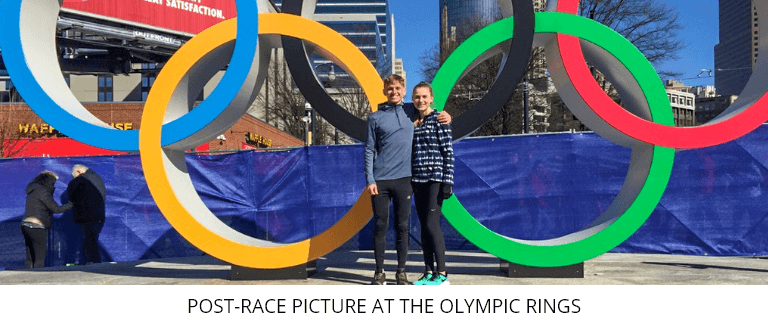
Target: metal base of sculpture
[
  {"x": 523, "y": 271},
  {"x": 300, "y": 272}
]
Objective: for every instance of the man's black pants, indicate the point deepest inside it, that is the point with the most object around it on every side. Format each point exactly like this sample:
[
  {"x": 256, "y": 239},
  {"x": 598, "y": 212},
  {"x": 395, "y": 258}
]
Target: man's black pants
[
  {"x": 399, "y": 192},
  {"x": 91, "y": 232}
]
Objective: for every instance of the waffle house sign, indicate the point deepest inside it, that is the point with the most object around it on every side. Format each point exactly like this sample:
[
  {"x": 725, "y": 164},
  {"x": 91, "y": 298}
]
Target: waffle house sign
[{"x": 254, "y": 139}]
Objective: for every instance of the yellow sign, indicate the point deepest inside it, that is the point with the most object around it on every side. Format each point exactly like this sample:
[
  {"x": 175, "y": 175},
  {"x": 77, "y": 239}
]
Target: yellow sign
[
  {"x": 44, "y": 128},
  {"x": 257, "y": 140},
  {"x": 122, "y": 125}
]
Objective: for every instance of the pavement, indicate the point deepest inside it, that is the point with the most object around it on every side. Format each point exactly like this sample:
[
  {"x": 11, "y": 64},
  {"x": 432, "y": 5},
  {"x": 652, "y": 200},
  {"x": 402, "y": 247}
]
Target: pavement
[{"x": 464, "y": 268}]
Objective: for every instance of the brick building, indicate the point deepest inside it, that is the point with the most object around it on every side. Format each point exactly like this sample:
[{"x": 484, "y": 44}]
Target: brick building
[{"x": 26, "y": 135}]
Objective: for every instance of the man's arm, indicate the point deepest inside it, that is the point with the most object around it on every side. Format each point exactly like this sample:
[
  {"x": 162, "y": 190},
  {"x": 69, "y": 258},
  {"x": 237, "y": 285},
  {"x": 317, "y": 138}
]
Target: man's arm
[
  {"x": 370, "y": 155},
  {"x": 444, "y": 117}
]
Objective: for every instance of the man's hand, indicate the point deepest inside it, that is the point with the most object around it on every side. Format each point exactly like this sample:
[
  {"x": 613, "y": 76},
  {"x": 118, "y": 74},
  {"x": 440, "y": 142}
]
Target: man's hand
[
  {"x": 373, "y": 189},
  {"x": 444, "y": 118}
]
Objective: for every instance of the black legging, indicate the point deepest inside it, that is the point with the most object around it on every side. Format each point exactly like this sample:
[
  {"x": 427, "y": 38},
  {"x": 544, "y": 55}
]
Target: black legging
[
  {"x": 399, "y": 192},
  {"x": 36, "y": 244},
  {"x": 429, "y": 201}
]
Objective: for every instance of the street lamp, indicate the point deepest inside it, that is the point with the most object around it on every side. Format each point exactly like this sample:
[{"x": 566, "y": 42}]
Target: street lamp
[
  {"x": 526, "y": 118},
  {"x": 330, "y": 77},
  {"x": 309, "y": 124}
]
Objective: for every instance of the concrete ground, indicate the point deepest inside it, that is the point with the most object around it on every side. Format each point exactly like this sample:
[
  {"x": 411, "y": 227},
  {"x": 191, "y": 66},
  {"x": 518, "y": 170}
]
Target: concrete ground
[{"x": 356, "y": 267}]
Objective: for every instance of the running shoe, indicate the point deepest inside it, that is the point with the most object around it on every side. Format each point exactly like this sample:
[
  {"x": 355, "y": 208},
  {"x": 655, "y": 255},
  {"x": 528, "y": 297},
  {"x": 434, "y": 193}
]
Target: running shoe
[
  {"x": 426, "y": 277},
  {"x": 439, "y": 279}
]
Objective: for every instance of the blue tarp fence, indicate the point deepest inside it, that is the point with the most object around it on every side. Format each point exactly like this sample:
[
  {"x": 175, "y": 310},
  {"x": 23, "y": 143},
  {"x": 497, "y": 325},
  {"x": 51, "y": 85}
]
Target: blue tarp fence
[{"x": 530, "y": 187}]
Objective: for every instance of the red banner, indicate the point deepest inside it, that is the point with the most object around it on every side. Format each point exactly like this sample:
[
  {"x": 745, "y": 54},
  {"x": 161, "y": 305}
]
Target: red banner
[
  {"x": 51, "y": 147},
  {"x": 190, "y": 16}
]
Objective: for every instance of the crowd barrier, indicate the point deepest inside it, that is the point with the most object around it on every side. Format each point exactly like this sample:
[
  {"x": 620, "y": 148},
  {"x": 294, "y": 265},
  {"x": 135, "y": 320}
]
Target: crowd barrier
[{"x": 528, "y": 187}]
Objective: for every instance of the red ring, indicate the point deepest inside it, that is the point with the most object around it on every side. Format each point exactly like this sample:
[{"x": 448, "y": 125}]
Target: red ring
[{"x": 638, "y": 128}]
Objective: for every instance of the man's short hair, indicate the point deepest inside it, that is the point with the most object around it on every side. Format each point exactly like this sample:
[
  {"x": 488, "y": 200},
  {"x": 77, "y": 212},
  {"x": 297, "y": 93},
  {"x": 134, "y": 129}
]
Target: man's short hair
[
  {"x": 78, "y": 167},
  {"x": 391, "y": 79}
]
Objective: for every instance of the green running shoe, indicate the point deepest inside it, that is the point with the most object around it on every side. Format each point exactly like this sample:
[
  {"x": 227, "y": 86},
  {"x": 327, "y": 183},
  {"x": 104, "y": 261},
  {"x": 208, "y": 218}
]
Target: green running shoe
[
  {"x": 426, "y": 277},
  {"x": 439, "y": 279}
]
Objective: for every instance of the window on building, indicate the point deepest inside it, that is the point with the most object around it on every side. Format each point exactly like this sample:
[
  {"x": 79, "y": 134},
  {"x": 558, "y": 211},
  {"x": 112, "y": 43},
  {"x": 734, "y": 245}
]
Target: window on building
[
  {"x": 147, "y": 79},
  {"x": 105, "y": 88}
]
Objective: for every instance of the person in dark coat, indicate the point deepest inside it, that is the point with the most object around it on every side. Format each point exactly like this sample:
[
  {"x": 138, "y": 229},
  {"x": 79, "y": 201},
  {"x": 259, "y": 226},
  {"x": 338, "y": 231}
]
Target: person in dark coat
[
  {"x": 38, "y": 218},
  {"x": 87, "y": 193}
]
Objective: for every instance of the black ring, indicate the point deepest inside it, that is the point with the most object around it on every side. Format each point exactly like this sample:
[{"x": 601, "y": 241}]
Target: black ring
[{"x": 503, "y": 87}]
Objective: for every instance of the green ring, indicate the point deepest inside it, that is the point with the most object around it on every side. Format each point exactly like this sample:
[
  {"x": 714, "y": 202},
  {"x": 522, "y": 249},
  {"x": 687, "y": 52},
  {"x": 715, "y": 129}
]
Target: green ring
[{"x": 660, "y": 170}]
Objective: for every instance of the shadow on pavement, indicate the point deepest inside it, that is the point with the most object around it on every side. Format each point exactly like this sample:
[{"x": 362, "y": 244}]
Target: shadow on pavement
[
  {"x": 202, "y": 267},
  {"x": 702, "y": 267}
]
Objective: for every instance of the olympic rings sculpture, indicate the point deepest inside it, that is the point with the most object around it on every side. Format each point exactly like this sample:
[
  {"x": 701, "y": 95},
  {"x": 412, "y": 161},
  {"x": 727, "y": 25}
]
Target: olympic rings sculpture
[{"x": 169, "y": 126}]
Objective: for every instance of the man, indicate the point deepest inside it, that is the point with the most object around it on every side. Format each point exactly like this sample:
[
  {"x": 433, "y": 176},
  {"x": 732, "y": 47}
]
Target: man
[
  {"x": 388, "y": 147},
  {"x": 87, "y": 193}
]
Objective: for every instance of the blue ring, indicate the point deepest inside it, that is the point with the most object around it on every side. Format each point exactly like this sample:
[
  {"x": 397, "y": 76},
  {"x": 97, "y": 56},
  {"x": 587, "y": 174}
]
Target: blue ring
[{"x": 127, "y": 140}]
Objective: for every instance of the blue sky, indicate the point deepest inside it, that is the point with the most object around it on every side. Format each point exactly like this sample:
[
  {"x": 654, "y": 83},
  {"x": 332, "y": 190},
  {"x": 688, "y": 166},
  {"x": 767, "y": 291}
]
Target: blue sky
[{"x": 417, "y": 29}]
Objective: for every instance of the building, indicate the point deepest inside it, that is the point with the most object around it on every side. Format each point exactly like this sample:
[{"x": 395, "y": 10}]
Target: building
[
  {"x": 710, "y": 107},
  {"x": 460, "y": 18},
  {"x": 111, "y": 53},
  {"x": 683, "y": 107},
  {"x": 24, "y": 134},
  {"x": 683, "y": 101},
  {"x": 736, "y": 54},
  {"x": 400, "y": 69},
  {"x": 676, "y": 85},
  {"x": 702, "y": 92},
  {"x": 367, "y": 23}
]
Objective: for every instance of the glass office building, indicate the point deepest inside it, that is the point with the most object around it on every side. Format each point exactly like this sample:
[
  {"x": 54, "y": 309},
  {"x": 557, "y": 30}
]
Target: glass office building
[
  {"x": 461, "y": 18},
  {"x": 736, "y": 53},
  {"x": 461, "y": 12},
  {"x": 367, "y": 23}
]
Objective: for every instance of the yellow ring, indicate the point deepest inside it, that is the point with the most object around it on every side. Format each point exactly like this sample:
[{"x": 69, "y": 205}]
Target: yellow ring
[{"x": 153, "y": 156}]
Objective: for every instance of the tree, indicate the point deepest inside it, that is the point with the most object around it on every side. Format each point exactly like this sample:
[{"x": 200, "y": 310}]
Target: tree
[
  {"x": 476, "y": 83},
  {"x": 650, "y": 25},
  {"x": 12, "y": 141},
  {"x": 284, "y": 105}
]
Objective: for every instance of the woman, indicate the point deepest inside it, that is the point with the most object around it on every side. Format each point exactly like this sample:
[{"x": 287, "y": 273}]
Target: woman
[
  {"x": 37, "y": 217},
  {"x": 432, "y": 180}
]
